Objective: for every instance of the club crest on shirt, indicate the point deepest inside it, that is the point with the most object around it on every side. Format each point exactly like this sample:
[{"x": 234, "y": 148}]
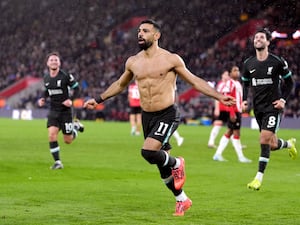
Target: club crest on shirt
[
  {"x": 58, "y": 84},
  {"x": 270, "y": 69}
]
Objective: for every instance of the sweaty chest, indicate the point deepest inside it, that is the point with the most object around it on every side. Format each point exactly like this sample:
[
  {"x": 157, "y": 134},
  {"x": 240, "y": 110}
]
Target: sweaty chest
[{"x": 151, "y": 69}]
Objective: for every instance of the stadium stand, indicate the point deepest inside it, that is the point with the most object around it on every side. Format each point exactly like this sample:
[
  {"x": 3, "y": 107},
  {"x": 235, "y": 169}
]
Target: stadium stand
[{"x": 95, "y": 37}]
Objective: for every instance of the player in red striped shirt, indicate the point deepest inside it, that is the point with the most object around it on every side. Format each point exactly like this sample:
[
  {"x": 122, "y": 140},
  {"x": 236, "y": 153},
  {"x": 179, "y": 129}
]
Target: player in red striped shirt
[
  {"x": 221, "y": 113},
  {"x": 135, "y": 113},
  {"x": 233, "y": 88}
]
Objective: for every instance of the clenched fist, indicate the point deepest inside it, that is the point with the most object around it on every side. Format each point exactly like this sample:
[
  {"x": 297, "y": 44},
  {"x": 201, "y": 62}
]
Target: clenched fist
[{"x": 90, "y": 104}]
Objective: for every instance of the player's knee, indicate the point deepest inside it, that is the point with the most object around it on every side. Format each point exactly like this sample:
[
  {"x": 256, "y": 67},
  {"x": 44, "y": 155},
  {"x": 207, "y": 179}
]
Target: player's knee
[
  {"x": 68, "y": 140},
  {"x": 274, "y": 145},
  {"x": 52, "y": 137},
  {"x": 218, "y": 123},
  {"x": 153, "y": 157}
]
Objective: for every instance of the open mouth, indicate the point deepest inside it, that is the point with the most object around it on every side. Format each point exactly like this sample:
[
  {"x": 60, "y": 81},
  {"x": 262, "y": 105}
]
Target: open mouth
[{"x": 140, "y": 40}]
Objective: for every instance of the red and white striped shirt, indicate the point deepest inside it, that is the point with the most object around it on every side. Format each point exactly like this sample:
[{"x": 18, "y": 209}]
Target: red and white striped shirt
[
  {"x": 235, "y": 90},
  {"x": 223, "y": 89},
  {"x": 133, "y": 95}
]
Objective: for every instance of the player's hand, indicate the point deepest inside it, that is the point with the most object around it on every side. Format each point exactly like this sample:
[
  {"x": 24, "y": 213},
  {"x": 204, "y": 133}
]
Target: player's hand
[
  {"x": 90, "y": 104},
  {"x": 228, "y": 100},
  {"x": 244, "y": 106},
  {"x": 67, "y": 103},
  {"x": 279, "y": 104},
  {"x": 41, "y": 102}
]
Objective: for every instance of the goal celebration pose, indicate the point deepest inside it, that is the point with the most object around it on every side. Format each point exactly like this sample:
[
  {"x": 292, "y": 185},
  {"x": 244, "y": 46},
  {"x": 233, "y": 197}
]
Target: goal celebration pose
[{"x": 155, "y": 70}]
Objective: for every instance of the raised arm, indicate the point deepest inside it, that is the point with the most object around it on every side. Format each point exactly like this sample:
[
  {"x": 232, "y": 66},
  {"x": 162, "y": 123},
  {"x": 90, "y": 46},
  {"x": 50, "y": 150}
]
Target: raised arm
[
  {"x": 114, "y": 89},
  {"x": 198, "y": 83}
]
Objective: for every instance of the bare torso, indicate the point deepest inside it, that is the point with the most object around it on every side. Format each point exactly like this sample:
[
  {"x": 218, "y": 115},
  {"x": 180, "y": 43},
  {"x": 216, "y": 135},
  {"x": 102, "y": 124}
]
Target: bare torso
[
  {"x": 155, "y": 72},
  {"x": 156, "y": 79}
]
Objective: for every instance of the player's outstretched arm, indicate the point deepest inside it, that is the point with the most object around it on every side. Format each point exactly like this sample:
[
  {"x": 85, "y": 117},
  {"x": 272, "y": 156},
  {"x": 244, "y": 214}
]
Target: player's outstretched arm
[
  {"x": 198, "y": 83},
  {"x": 114, "y": 89}
]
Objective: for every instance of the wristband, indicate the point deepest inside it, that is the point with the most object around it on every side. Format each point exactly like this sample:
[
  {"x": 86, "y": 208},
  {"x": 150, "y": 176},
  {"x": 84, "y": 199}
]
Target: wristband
[
  {"x": 99, "y": 100},
  {"x": 282, "y": 99}
]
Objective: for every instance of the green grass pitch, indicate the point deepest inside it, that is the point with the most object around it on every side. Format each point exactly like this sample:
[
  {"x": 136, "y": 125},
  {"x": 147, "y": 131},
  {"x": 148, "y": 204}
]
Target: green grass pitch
[{"x": 106, "y": 181}]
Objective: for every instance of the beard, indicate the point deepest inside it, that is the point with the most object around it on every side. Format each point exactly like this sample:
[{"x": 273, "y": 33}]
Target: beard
[
  {"x": 260, "y": 48},
  {"x": 145, "y": 45}
]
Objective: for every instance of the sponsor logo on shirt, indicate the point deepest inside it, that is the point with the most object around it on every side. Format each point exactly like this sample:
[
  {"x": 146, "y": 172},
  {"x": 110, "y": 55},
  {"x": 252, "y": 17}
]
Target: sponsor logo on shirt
[
  {"x": 54, "y": 92},
  {"x": 264, "y": 81}
]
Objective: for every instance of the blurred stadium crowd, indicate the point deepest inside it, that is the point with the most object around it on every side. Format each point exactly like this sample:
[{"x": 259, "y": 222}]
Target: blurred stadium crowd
[{"x": 95, "y": 37}]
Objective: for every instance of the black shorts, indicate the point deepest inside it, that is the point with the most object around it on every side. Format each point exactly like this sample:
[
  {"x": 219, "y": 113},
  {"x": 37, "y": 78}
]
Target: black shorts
[
  {"x": 62, "y": 120},
  {"x": 224, "y": 117},
  {"x": 160, "y": 125},
  {"x": 135, "y": 110},
  {"x": 237, "y": 124},
  {"x": 268, "y": 120}
]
